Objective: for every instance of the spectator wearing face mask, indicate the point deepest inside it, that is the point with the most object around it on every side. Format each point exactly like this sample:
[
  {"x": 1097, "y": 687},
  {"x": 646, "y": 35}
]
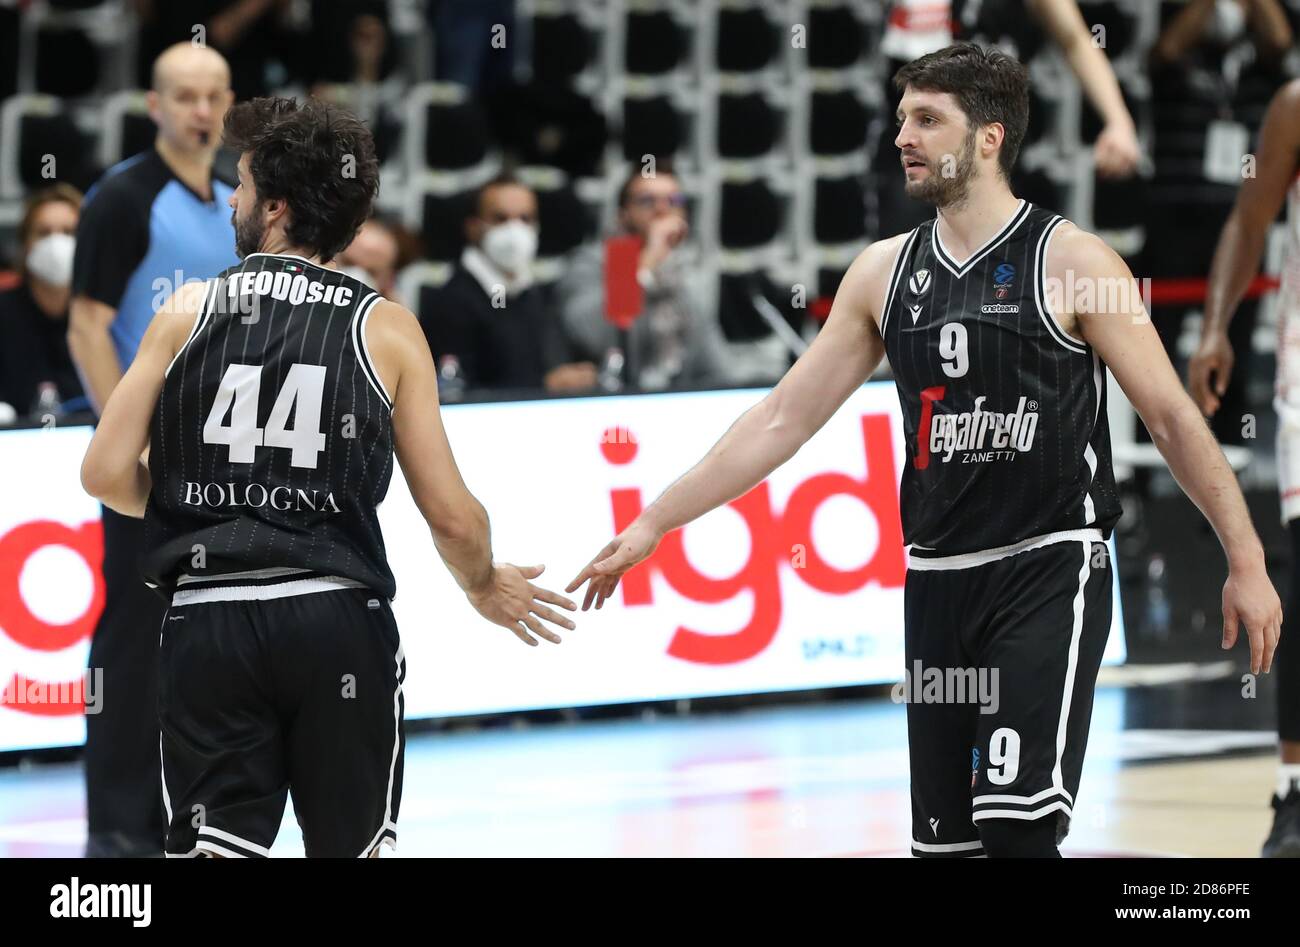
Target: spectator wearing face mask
[
  {"x": 489, "y": 323},
  {"x": 37, "y": 375},
  {"x": 676, "y": 341}
]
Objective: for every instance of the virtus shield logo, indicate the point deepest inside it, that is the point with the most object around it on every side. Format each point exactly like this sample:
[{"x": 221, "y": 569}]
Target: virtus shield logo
[{"x": 919, "y": 283}]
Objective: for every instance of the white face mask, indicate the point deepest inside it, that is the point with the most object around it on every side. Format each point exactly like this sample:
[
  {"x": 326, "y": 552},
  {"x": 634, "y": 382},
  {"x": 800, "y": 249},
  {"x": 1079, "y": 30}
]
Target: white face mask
[
  {"x": 50, "y": 259},
  {"x": 511, "y": 246}
]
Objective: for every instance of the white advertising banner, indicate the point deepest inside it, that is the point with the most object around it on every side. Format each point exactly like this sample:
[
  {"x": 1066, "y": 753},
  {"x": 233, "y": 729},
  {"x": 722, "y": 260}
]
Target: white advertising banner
[{"x": 796, "y": 585}]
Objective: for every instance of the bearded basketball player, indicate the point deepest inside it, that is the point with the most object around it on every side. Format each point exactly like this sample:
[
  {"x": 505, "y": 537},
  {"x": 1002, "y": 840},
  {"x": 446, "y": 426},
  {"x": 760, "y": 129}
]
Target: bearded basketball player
[
  {"x": 1236, "y": 262},
  {"x": 1007, "y": 495},
  {"x": 272, "y": 400}
]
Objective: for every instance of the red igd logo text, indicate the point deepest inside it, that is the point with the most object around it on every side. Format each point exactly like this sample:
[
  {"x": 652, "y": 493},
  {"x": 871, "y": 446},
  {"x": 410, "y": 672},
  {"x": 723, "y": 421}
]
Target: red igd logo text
[
  {"x": 777, "y": 537},
  {"x": 30, "y": 631}
]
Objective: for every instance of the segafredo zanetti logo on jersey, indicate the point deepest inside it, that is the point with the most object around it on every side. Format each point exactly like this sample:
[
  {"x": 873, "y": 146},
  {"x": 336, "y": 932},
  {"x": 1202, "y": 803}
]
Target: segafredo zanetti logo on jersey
[
  {"x": 974, "y": 436},
  {"x": 919, "y": 282}
]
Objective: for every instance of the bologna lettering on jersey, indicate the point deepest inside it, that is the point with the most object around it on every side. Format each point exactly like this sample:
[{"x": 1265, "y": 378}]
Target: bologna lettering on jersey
[
  {"x": 1004, "y": 411},
  {"x": 271, "y": 444}
]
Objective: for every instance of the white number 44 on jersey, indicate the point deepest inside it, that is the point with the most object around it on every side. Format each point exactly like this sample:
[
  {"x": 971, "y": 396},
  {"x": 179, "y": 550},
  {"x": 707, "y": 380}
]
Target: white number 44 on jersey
[{"x": 241, "y": 387}]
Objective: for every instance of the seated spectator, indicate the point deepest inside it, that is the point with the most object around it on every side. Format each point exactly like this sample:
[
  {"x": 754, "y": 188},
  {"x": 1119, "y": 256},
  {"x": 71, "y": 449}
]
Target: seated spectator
[
  {"x": 375, "y": 255},
  {"x": 255, "y": 36},
  {"x": 489, "y": 316},
  {"x": 675, "y": 341},
  {"x": 37, "y": 375},
  {"x": 355, "y": 65}
]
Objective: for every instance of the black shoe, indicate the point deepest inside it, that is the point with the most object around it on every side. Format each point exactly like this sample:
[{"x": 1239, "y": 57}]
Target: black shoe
[{"x": 1284, "y": 840}]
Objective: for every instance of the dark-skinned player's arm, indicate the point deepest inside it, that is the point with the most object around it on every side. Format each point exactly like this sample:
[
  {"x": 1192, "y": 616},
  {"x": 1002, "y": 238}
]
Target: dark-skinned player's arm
[
  {"x": 502, "y": 593},
  {"x": 1129, "y": 346},
  {"x": 1241, "y": 245},
  {"x": 840, "y": 359},
  {"x": 114, "y": 470}
]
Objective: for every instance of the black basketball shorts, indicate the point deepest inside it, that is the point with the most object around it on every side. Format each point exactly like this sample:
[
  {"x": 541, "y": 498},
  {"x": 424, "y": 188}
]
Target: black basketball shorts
[
  {"x": 1002, "y": 652},
  {"x": 277, "y": 686}
]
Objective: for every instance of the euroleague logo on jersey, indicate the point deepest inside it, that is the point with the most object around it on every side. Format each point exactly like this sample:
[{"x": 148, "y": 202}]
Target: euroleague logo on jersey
[
  {"x": 1003, "y": 277},
  {"x": 774, "y": 533}
]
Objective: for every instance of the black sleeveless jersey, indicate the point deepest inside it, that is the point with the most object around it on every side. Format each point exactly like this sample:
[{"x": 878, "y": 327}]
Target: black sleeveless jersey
[
  {"x": 1004, "y": 412},
  {"x": 271, "y": 445}
]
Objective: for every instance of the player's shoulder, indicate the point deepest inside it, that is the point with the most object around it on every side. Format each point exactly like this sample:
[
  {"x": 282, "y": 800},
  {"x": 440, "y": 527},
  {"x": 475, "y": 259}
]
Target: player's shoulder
[
  {"x": 884, "y": 251},
  {"x": 1073, "y": 248},
  {"x": 876, "y": 261},
  {"x": 869, "y": 274},
  {"x": 173, "y": 321},
  {"x": 392, "y": 327},
  {"x": 184, "y": 305},
  {"x": 391, "y": 314}
]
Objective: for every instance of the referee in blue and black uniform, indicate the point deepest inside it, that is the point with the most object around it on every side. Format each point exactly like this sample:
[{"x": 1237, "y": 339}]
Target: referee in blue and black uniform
[{"x": 151, "y": 223}]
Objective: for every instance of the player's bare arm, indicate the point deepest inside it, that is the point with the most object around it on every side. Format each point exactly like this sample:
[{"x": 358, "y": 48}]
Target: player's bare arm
[
  {"x": 1241, "y": 244},
  {"x": 841, "y": 358},
  {"x": 502, "y": 593},
  {"x": 114, "y": 470},
  {"x": 1124, "y": 338}
]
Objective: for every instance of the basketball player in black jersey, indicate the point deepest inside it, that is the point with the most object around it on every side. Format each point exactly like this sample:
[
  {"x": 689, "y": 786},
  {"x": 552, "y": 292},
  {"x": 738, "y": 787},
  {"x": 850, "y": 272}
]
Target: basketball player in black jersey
[
  {"x": 998, "y": 337},
  {"x": 272, "y": 400}
]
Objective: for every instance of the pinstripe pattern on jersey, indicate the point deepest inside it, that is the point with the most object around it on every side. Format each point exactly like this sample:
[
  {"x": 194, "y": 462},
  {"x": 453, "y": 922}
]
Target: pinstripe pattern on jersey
[
  {"x": 1007, "y": 440},
  {"x": 295, "y": 505}
]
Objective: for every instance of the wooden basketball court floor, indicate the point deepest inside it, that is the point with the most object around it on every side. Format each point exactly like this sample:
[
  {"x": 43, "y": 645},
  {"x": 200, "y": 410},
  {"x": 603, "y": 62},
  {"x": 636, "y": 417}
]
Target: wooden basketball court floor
[{"x": 812, "y": 779}]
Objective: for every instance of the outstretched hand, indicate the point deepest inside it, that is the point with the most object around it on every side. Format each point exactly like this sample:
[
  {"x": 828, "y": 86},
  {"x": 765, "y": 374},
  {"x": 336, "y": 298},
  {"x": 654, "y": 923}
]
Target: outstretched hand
[
  {"x": 510, "y": 600},
  {"x": 635, "y": 544},
  {"x": 1249, "y": 599}
]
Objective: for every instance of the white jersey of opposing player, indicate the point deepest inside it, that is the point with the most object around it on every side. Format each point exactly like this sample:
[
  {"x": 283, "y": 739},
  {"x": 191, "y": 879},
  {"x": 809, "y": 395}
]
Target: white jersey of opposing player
[{"x": 1287, "y": 388}]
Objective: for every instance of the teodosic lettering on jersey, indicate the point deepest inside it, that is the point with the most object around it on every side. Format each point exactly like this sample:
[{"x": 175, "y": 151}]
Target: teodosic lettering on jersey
[{"x": 296, "y": 289}]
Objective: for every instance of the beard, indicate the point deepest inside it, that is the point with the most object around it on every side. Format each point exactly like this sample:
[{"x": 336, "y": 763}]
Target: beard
[
  {"x": 948, "y": 191},
  {"x": 248, "y": 233}
]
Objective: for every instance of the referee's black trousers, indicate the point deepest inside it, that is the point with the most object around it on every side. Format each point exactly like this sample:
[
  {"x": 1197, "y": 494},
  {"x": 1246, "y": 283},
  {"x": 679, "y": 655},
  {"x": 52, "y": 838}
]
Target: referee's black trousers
[{"x": 123, "y": 784}]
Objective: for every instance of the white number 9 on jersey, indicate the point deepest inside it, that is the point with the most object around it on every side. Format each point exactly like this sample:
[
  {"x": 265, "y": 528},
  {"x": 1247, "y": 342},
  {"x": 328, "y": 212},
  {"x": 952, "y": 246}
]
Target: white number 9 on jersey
[
  {"x": 242, "y": 386},
  {"x": 952, "y": 348}
]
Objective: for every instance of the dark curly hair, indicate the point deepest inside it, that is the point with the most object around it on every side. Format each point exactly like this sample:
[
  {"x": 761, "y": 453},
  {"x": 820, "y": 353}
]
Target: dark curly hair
[
  {"x": 318, "y": 158},
  {"x": 989, "y": 87}
]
